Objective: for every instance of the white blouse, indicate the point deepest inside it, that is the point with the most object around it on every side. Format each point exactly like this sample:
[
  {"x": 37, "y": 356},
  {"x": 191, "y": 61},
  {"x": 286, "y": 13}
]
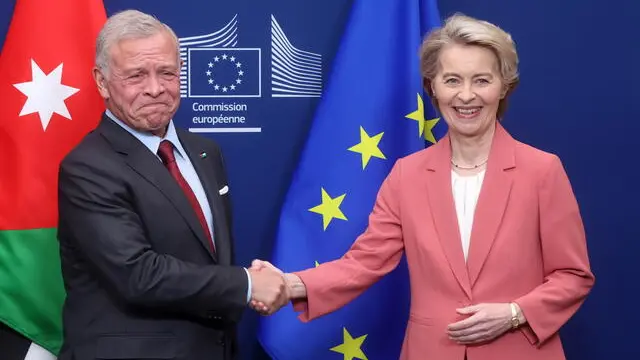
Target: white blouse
[{"x": 466, "y": 190}]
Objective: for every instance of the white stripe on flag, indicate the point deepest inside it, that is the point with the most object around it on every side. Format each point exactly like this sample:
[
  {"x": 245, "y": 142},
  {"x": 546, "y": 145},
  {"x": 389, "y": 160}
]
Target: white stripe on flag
[{"x": 36, "y": 352}]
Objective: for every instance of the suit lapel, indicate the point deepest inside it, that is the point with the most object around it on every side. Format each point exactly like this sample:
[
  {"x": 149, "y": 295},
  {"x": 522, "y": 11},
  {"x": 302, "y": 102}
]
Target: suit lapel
[
  {"x": 443, "y": 210},
  {"x": 147, "y": 165},
  {"x": 492, "y": 201},
  {"x": 204, "y": 167}
]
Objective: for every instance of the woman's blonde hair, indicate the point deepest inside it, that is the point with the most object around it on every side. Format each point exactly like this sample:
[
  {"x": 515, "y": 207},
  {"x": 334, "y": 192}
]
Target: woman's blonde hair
[{"x": 465, "y": 30}]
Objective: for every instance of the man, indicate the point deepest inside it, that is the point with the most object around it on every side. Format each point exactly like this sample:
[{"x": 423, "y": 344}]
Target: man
[{"x": 145, "y": 218}]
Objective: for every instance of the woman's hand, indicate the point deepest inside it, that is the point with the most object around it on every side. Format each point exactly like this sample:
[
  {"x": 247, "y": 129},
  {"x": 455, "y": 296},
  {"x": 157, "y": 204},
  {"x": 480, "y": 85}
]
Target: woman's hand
[{"x": 487, "y": 322}]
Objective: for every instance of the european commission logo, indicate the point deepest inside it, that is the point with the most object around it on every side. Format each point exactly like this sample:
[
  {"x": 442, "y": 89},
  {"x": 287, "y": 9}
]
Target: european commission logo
[
  {"x": 222, "y": 81},
  {"x": 215, "y": 67}
]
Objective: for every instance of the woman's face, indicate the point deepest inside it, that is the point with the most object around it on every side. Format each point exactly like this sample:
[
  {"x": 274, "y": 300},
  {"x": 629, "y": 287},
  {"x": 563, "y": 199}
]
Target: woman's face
[{"x": 468, "y": 89}]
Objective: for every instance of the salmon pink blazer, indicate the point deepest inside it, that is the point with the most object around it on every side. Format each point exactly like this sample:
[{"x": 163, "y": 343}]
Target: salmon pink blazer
[{"x": 527, "y": 246}]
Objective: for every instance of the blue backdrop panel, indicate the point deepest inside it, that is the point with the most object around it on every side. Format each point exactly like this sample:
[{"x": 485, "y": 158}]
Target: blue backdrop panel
[{"x": 578, "y": 80}]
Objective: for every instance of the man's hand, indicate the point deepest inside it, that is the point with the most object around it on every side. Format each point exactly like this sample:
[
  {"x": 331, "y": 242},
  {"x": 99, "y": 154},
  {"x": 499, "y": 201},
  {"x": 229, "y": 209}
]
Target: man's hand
[
  {"x": 268, "y": 290},
  {"x": 261, "y": 264},
  {"x": 487, "y": 322},
  {"x": 295, "y": 287}
]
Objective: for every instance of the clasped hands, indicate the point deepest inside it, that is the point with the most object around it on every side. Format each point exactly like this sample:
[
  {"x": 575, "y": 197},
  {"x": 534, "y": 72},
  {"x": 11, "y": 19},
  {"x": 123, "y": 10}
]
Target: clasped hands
[{"x": 270, "y": 289}]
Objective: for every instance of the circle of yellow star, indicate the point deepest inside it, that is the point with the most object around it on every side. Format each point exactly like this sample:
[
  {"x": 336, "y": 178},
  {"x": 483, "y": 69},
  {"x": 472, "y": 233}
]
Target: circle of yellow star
[
  {"x": 329, "y": 208},
  {"x": 425, "y": 127},
  {"x": 350, "y": 347},
  {"x": 368, "y": 147}
]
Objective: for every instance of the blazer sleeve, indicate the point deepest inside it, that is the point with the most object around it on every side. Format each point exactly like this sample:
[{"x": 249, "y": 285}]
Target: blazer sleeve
[
  {"x": 374, "y": 254},
  {"x": 568, "y": 278},
  {"x": 98, "y": 219}
]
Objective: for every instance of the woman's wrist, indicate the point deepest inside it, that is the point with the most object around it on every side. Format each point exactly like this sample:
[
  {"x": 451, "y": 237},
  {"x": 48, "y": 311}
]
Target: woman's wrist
[{"x": 295, "y": 286}]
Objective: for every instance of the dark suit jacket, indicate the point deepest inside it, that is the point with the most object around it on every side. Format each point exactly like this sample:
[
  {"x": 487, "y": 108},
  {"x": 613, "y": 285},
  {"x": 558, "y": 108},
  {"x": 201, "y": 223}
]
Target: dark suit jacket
[{"x": 141, "y": 281}]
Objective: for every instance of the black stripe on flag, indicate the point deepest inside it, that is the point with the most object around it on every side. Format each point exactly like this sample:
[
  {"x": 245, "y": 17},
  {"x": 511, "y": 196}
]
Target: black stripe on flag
[{"x": 13, "y": 346}]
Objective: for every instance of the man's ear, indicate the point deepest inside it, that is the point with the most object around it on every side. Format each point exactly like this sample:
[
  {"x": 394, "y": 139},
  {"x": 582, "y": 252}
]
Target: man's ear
[{"x": 101, "y": 82}]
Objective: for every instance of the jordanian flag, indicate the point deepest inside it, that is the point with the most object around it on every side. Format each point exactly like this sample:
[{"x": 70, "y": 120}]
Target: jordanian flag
[{"x": 49, "y": 102}]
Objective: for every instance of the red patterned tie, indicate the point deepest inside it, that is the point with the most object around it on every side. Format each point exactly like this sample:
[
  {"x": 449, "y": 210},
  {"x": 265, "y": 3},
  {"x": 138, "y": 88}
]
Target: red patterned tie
[{"x": 165, "y": 151}]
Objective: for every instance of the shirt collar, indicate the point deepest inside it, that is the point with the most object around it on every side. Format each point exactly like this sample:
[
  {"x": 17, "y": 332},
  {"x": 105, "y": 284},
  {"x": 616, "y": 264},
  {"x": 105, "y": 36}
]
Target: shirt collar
[{"x": 150, "y": 141}]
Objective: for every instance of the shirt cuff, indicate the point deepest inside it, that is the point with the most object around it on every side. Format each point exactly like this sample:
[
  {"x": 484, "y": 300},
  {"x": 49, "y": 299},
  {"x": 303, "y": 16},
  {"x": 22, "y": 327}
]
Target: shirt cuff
[{"x": 249, "y": 285}]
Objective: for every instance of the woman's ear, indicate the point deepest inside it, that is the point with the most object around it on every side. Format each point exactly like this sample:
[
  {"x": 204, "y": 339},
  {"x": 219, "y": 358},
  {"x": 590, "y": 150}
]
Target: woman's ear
[
  {"x": 504, "y": 92},
  {"x": 428, "y": 87}
]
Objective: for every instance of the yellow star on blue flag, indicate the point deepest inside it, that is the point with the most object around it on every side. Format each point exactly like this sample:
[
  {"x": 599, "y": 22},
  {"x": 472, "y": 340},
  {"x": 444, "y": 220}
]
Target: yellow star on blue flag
[
  {"x": 329, "y": 208},
  {"x": 425, "y": 127},
  {"x": 368, "y": 147},
  {"x": 351, "y": 348}
]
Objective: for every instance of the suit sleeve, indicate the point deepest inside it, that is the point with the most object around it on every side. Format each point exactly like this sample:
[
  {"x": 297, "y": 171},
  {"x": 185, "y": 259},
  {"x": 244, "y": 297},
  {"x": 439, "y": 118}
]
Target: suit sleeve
[
  {"x": 97, "y": 218},
  {"x": 568, "y": 278},
  {"x": 373, "y": 255}
]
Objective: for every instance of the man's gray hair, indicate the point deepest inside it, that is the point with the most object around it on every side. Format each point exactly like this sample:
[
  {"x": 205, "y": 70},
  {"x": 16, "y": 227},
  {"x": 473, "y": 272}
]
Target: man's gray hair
[{"x": 128, "y": 24}]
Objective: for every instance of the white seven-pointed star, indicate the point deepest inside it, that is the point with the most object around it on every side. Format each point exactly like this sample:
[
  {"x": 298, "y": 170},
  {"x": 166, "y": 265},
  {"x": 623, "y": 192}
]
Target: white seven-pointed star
[{"x": 45, "y": 94}]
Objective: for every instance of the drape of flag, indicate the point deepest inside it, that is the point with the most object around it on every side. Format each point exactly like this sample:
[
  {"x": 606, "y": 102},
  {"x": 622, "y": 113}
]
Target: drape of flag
[
  {"x": 49, "y": 101},
  {"x": 372, "y": 113}
]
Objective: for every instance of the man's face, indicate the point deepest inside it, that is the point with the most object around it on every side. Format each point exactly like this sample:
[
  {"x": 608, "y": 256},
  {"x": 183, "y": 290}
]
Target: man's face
[{"x": 142, "y": 83}]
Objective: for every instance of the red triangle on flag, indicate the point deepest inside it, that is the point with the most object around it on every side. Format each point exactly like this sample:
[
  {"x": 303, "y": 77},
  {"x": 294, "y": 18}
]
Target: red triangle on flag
[{"x": 49, "y": 102}]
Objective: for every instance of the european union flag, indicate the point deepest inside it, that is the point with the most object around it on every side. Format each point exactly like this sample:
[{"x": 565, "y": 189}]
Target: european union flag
[
  {"x": 224, "y": 72},
  {"x": 372, "y": 113}
]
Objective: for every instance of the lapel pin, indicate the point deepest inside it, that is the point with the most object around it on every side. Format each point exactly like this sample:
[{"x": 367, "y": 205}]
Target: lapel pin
[{"x": 203, "y": 155}]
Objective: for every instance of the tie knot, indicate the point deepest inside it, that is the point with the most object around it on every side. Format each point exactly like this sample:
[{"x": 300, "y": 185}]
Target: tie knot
[{"x": 165, "y": 151}]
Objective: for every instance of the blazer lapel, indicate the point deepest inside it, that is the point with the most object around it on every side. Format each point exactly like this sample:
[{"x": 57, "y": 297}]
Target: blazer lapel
[
  {"x": 204, "y": 167},
  {"x": 492, "y": 201},
  {"x": 443, "y": 210},
  {"x": 142, "y": 161}
]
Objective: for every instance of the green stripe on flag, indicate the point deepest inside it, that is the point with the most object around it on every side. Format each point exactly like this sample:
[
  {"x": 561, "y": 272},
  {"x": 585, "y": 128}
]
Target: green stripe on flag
[{"x": 31, "y": 288}]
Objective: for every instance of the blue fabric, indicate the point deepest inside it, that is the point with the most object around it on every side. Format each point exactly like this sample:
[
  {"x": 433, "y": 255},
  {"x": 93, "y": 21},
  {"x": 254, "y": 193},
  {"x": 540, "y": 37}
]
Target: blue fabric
[{"x": 374, "y": 86}]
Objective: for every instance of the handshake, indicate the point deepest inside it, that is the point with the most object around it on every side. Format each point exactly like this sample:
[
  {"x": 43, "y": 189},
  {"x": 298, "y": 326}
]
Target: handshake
[{"x": 271, "y": 289}]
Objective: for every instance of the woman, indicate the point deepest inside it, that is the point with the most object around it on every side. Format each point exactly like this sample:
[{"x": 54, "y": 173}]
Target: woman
[{"x": 490, "y": 226}]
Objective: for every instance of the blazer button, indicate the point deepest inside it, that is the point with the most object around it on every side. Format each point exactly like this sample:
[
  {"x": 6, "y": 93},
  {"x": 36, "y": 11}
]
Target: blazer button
[{"x": 221, "y": 341}]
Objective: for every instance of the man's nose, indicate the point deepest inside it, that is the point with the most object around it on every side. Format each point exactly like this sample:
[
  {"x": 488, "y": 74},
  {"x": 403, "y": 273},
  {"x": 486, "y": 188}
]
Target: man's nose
[{"x": 154, "y": 86}]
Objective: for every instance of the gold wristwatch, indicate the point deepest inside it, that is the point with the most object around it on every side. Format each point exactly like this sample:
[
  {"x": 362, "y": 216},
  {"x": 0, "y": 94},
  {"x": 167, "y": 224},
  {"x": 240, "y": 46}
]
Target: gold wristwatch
[{"x": 515, "y": 321}]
